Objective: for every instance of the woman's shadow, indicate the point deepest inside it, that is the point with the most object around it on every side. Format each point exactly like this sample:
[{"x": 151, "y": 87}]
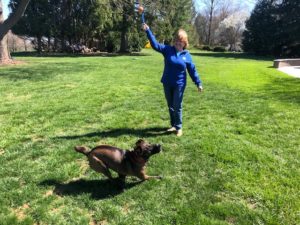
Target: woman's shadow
[
  {"x": 98, "y": 189},
  {"x": 148, "y": 132}
]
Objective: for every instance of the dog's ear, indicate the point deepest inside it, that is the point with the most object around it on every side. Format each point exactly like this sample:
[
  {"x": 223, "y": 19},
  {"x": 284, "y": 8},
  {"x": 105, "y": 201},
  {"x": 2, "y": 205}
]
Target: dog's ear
[
  {"x": 138, "y": 150},
  {"x": 139, "y": 146},
  {"x": 139, "y": 142}
]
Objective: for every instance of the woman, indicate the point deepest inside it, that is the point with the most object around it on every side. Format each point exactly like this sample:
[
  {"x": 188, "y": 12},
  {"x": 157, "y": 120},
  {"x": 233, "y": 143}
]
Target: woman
[{"x": 177, "y": 60}]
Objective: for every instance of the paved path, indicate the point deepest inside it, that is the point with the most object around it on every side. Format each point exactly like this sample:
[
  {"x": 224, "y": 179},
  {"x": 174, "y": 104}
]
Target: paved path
[{"x": 291, "y": 70}]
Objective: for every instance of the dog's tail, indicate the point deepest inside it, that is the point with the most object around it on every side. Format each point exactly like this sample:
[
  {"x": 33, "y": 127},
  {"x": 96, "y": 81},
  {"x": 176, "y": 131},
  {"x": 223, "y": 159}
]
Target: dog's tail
[{"x": 82, "y": 149}]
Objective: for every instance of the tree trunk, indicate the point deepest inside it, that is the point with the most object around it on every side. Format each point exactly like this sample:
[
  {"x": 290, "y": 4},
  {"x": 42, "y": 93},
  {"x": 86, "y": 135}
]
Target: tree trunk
[
  {"x": 4, "y": 53},
  {"x": 211, "y": 11},
  {"x": 39, "y": 41},
  {"x": 124, "y": 42},
  {"x": 25, "y": 45},
  {"x": 49, "y": 43},
  {"x": 55, "y": 44}
]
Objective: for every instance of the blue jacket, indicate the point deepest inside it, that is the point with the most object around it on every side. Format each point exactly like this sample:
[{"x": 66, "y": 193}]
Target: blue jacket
[{"x": 175, "y": 65}]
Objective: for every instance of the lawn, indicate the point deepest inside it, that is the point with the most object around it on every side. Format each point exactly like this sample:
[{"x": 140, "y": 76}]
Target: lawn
[{"x": 238, "y": 161}]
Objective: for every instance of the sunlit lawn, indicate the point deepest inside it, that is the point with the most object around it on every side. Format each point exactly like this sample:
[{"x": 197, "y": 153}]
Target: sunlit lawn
[{"x": 237, "y": 162}]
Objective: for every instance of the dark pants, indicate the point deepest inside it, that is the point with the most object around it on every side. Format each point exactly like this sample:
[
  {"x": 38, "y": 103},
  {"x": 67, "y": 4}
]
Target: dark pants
[{"x": 174, "y": 97}]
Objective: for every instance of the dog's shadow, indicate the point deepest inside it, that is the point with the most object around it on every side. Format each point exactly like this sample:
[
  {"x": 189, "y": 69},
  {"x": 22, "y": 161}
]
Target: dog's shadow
[{"x": 98, "y": 189}]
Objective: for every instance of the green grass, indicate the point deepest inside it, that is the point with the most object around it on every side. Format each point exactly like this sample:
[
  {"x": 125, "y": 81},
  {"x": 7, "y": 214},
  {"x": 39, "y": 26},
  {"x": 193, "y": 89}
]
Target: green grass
[{"x": 237, "y": 162}]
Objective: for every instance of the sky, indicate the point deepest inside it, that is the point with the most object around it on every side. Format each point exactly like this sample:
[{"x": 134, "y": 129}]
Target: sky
[
  {"x": 247, "y": 4},
  {"x": 5, "y": 8}
]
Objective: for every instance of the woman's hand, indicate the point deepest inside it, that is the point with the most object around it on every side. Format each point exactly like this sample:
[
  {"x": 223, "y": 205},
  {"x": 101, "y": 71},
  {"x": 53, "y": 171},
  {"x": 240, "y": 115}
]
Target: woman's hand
[{"x": 145, "y": 27}]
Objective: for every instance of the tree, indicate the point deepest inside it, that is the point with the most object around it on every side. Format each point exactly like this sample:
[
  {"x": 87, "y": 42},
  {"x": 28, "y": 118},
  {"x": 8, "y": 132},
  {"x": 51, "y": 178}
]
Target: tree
[
  {"x": 209, "y": 18},
  {"x": 7, "y": 24},
  {"x": 201, "y": 28},
  {"x": 207, "y": 15},
  {"x": 261, "y": 29},
  {"x": 289, "y": 12},
  {"x": 110, "y": 25},
  {"x": 35, "y": 22},
  {"x": 231, "y": 29},
  {"x": 273, "y": 28},
  {"x": 64, "y": 23},
  {"x": 211, "y": 4},
  {"x": 165, "y": 17}
]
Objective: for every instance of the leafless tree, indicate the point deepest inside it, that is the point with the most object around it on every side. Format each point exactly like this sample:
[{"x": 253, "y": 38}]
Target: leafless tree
[
  {"x": 210, "y": 16},
  {"x": 231, "y": 29},
  {"x": 211, "y": 8},
  {"x": 207, "y": 19}
]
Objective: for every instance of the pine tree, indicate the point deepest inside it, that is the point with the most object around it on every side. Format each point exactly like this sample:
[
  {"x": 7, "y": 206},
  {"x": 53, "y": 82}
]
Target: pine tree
[
  {"x": 261, "y": 28},
  {"x": 274, "y": 28}
]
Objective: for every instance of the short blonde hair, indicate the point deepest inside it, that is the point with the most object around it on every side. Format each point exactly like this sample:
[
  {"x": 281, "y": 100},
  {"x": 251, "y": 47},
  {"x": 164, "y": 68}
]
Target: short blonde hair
[{"x": 181, "y": 35}]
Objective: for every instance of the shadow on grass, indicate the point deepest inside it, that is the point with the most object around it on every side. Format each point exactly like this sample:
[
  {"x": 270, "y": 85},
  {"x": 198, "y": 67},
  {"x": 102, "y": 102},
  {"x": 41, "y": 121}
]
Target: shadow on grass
[
  {"x": 231, "y": 55},
  {"x": 285, "y": 89},
  {"x": 43, "y": 73},
  {"x": 147, "y": 132},
  {"x": 98, "y": 189}
]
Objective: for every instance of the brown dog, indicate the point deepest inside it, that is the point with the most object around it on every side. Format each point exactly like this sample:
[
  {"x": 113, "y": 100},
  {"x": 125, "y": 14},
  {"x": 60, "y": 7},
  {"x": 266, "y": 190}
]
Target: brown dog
[{"x": 105, "y": 157}]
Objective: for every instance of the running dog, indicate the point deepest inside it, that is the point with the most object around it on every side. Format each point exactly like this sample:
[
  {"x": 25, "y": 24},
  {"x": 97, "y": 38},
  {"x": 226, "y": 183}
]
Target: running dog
[{"x": 124, "y": 162}]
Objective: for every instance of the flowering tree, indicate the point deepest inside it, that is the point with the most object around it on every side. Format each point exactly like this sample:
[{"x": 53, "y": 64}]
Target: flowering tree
[{"x": 231, "y": 29}]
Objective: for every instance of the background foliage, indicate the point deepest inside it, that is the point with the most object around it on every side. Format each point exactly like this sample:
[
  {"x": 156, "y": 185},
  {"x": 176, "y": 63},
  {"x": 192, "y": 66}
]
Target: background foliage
[
  {"x": 274, "y": 28},
  {"x": 106, "y": 25}
]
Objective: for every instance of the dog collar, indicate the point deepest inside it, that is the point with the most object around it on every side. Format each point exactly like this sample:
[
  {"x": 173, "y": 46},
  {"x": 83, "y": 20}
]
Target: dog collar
[{"x": 135, "y": 159}]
